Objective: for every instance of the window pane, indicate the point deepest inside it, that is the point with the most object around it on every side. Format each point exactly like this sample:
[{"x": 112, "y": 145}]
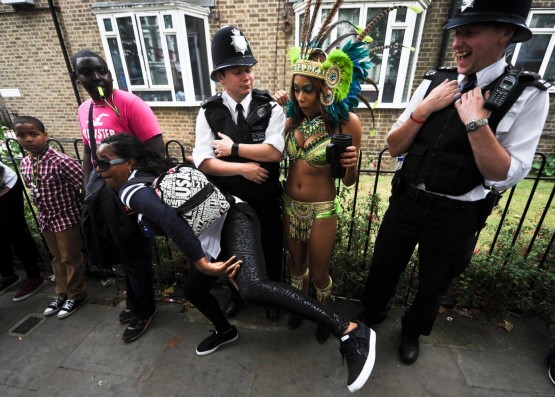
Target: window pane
[
  {"x": 401, "y": 14},
  {"x": 154, "y": 50},
  {"x": 549, "y": 74},
  {"x": 198, "y": 55},
  {"x": 176, "y": 67},
  {"x": 118, "y": 64},
  {"x": 168, "y": 22},
  {"x": 390, "y": 82},
  {"x": 406, "y": 90},
  {"x": 352, "y": 15},
  {"x": 154, "y": 96},
  {"x": 131, "y": 54},
  {"x": 378, "y": 34},
  {"x": 532, "y": 52},
  {"x": 108, "y": 25},
  {"x": 542, "y": 21}
]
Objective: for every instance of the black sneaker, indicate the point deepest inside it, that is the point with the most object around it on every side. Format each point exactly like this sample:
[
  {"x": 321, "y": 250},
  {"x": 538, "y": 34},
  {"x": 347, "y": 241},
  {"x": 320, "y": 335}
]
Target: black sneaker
[
  {"x": 55, "y": 306},
  {"x": 125, "y": 316},
  {"x": 70, "y": 307},
  {"x": 136, "y": 327},
  {"x": 358, "y": 348},
  {"x": 215, "y": 340}
]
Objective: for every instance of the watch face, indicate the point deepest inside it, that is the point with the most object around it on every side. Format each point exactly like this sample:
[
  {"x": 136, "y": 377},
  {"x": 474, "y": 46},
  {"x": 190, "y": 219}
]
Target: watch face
[{"x": 475, "y": 124}]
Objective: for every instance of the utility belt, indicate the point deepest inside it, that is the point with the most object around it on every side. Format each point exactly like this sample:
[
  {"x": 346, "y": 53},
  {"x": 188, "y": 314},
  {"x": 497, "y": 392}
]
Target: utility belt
[
  {"x": 484, "y": 206},
  {"x": 400, "y": 186}
]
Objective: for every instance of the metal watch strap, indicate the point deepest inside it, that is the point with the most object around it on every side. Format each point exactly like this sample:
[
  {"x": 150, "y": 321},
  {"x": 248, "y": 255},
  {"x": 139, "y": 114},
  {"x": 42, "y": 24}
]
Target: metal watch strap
[{"x": 473, "y": 125}]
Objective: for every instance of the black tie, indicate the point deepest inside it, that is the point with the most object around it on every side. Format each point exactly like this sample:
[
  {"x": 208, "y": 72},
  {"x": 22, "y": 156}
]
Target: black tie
[
  {"x": 242, "y": 124},
  {"x": 471, "y": 81}
]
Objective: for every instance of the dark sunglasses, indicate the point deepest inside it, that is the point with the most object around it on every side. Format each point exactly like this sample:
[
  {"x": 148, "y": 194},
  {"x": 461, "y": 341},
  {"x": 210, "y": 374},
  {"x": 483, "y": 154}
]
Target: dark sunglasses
[{"x": 103, "y": 165}]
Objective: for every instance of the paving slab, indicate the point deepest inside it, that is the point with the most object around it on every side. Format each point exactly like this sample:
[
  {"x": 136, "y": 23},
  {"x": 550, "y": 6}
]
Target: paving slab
[{"x": 84, "y": 355}]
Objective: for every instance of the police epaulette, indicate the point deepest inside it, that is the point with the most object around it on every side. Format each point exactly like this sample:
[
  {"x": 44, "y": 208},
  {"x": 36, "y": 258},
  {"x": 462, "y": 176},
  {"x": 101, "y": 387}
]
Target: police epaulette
[
  {"x": 535, "y": 80},
  {"x": 262, "y": 94},
  {"x": 432, "y": 72},
  {"x": 213, "y": 98}
]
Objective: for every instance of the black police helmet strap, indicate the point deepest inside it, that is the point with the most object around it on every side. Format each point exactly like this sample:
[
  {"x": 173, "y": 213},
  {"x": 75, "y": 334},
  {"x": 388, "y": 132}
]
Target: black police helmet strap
[{"x": 513, "y": 12}]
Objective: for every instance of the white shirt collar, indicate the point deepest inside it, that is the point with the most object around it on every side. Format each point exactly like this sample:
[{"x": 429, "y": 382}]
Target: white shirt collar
[
  {"x": 489, "y": 73},
  {"x": 231, "y": 104}
]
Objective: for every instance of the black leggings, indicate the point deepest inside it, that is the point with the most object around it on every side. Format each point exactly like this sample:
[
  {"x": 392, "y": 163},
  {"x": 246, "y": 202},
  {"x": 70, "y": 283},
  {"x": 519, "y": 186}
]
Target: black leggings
[{"x": 241, "y": 237}]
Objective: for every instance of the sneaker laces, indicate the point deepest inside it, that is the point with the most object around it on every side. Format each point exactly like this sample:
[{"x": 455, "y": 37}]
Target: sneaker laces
[
  {"x": 68, "y": 305},
  {"x": 213, "y": 335},
  {"x": 350, "y": 348}
]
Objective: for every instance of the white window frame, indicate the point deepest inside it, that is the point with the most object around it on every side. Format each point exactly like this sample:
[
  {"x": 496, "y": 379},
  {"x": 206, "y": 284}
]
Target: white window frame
[
  {"x": 178, "y": 11},
  {"x": 401, "y": 96},
  {"x": 540, "y": 31}
]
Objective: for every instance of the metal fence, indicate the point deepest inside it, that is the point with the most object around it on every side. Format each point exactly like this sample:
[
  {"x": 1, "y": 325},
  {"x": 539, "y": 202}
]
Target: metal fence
[{"x": 378, "y": 175}]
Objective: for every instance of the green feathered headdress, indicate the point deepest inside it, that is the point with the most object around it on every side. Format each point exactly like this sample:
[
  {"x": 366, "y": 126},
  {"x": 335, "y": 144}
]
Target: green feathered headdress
[{"x": 344, "y": 69}]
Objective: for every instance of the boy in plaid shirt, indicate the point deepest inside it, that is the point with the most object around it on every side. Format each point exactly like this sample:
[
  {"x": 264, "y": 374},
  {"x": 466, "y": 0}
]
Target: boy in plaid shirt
[{"x": 55, "y": 181}]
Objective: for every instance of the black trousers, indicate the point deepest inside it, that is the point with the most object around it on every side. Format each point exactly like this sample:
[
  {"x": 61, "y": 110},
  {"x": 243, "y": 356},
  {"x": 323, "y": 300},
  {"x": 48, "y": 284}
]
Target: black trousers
[
  {"x": 241, "y": 237},
  {"x": 446, "y": 237},
  {"x": 14, "y": 233},
  {"x": 136, "y": 260},
  {"x": 268, "y": 210}
]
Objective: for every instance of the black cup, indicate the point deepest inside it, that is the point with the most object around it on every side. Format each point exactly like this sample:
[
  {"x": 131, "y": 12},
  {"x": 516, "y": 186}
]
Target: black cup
[{"x": 334, "y": 149}]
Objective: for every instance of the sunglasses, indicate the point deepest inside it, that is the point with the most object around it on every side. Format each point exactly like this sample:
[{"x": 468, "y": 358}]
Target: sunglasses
[{"x": 103, "y": 165}]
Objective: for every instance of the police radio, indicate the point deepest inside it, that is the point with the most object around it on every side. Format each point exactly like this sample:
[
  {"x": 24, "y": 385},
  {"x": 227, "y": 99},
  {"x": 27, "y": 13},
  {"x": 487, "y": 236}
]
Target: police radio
[{"x": 501, "y": 92}]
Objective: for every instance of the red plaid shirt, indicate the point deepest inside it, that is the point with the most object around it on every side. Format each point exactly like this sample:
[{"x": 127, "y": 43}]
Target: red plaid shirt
[{"x": 59, "y": 184}]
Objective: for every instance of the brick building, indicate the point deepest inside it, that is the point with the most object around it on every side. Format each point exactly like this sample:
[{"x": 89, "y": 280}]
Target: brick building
[{"x": 159, "y": 49}]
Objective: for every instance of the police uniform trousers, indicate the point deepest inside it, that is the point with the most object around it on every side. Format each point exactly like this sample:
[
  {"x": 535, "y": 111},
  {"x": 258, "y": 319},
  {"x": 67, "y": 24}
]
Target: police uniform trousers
[{"x": 444, "y": 231}]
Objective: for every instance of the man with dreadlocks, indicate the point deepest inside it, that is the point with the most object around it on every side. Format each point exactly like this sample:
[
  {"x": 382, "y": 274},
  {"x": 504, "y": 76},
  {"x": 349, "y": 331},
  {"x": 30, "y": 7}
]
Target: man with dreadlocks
[{"x": 458, "y": 145}]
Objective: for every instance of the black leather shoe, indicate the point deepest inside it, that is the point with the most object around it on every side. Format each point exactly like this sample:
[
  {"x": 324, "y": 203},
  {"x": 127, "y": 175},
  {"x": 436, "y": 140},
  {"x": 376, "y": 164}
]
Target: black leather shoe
[
  {"x": 409, "y": 348},
  {"x": 322, "y": 334},
  {"x": 231, "y": 309},
  {"x": 295, "y": 321},
  {"x": 272, "y": 314},
  {"x": 370, "y": 320}
]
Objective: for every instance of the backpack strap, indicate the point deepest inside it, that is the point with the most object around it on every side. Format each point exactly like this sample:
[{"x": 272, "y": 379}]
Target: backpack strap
[
  {"x": 92, "y": 139},
  {"x": 130, "y": 187},
  {"x": 197, "y": 199}
]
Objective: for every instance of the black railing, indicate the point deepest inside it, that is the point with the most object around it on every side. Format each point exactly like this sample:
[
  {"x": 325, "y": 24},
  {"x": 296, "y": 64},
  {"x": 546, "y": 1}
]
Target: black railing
[{"x": 382, "y": 170}]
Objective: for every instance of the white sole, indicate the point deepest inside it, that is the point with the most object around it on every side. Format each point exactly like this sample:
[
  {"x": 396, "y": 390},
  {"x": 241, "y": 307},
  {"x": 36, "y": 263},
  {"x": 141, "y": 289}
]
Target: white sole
[
  {"x": 217, "y": 347},
  {"x": 368, "y": 365},
  {"x": 549, "y": 373}
]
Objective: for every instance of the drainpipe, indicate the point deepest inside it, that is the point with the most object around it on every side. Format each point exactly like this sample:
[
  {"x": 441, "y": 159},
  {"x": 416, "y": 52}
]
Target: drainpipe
[
  {"x": 445, "y": 40},
  {"x": 64, "y": 50}
]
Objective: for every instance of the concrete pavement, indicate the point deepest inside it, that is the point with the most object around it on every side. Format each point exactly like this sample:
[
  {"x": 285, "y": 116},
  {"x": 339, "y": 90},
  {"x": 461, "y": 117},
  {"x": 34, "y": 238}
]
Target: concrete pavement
[{"x": 84, "y": 355}]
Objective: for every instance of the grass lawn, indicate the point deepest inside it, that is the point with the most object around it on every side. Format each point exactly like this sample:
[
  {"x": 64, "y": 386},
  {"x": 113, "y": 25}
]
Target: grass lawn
[{"x": 516, "y": 210}]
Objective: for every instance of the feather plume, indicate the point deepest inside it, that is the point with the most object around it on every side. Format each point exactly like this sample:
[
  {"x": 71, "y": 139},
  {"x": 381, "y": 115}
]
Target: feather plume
[
  {"x": 304, "y": 26},
  {"x": 324, "y": 31},
  {"x": 313, "y": 21},
  {"x": 330, "y": 28},
  {"x": 374, "y": 21},
  {"x": 363, "y": 99}
]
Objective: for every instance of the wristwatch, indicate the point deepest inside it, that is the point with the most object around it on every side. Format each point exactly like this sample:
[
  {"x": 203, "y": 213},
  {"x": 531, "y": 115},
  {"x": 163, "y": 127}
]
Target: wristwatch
[{"x": 473, "y": 125}]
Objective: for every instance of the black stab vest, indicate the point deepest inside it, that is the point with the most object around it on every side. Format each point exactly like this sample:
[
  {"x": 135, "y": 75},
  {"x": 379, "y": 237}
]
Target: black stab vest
[
  {"x": 441, "y": 156},
  {"x": 220, "y": 119}
]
